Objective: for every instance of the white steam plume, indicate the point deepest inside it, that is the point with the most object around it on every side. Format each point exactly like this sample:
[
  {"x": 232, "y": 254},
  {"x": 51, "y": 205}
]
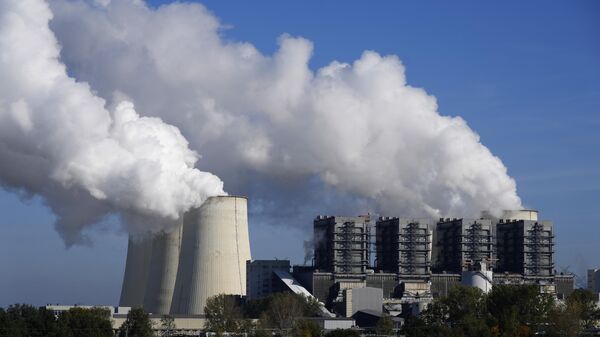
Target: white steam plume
[
  {"x": 267, "y": 120},
  {"x": 268, "y": 125},
  {"x": 58, "y": 140}
]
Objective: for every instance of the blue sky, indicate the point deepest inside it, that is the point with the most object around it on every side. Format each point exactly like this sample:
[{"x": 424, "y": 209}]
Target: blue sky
[{"x": 525, "y": 76}]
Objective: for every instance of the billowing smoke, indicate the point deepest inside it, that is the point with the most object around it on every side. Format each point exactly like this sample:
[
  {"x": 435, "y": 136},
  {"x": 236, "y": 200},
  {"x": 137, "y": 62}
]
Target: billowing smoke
[
  {"x": 270, "y": 126},
  {"x": 58, "y": 140}
]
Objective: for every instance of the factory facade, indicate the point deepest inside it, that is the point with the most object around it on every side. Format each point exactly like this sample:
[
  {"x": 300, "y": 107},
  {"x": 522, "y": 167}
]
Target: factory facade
[{"x": 404, "y": 263}]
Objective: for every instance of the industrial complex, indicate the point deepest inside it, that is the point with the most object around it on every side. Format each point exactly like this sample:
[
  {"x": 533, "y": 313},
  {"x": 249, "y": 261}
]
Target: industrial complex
[{"x": 362, "y": 266}]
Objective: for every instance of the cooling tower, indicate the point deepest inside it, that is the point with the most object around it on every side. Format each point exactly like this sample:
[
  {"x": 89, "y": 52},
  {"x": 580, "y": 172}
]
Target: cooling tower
[
  {"x": 214, "y": 251},
  {"x": 162, "y": 271},
  {"x": 520, "y": 214},
  {"x": 139, "y": 251}
]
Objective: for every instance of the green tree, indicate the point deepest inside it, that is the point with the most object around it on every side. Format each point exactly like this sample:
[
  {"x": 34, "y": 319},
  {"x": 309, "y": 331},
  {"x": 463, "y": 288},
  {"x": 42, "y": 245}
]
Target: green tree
[
  {"x": 4, "y": 322},
  {"x": 565, "y": 320},
  {"x": 518, "y": 310},
  {"x": 587, "y": 302},
  {"x": 24, "y": 320},
  {"x": 306, "y": 328},
  {"x": 417, "y": 327},
  {"x": 81, "y": 322},
  {"x": 222, "y": 314},
  {"x": 283, "y": 308},
  {"x": 137, "y": 324},
  {"x": 462, "y": 313},
  {"x": 385, "y": 326},
  {"x": 168, "y": 327}
]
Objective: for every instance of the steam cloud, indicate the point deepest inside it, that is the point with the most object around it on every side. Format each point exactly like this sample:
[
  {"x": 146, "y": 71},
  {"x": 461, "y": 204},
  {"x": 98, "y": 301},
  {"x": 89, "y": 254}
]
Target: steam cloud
[
  {"x": 268, "y": 125},
  {"x": 58, "y": 140}
]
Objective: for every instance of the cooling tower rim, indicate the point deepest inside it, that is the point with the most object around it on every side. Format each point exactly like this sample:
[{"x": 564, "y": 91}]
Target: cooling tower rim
[
  {"x": 227, "y": 196},
  {"x": 514, "y": 210}
]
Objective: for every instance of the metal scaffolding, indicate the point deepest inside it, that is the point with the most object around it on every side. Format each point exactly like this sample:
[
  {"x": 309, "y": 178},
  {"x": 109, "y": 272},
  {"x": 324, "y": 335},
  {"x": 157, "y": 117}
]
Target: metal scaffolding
[
  {"x": 538, "y": 247},
  {"x": 351, "y": 248},
  {"x": 414, "y": 250},
  {"x": 477, "y": 243}
]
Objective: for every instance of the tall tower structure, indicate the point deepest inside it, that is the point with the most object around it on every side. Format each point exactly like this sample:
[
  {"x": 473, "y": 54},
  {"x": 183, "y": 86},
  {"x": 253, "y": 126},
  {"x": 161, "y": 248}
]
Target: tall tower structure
[
  {"x": 139, "y": 252},
  {"x": 214, "y": 250},
  {"x": 404, "y": 247},
  {"x": 526, "y": 247},
  {"x": 462, "y": 241},
  {"x": 162, "y": 271},
  {"x": 342, "y": 244}
]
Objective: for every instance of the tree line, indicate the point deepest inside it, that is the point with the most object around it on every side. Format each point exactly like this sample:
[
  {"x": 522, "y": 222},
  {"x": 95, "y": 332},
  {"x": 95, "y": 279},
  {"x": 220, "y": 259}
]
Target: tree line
[
  {"x": 506, "y": 311},
  {"x": 281, "y": 314},
  {"x": 23, "y": 320}
]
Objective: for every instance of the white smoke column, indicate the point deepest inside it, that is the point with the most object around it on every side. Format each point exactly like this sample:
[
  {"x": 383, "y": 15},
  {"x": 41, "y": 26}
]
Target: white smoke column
[
  {"x": 269, "y": 120},
  {"x": 58, "y": 140}
]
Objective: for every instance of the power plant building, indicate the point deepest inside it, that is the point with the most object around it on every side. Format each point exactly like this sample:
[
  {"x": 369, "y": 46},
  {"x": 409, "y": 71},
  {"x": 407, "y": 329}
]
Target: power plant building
[
  {"x": 416, "y": 259},
  {"x": 593, "y": 280},
  {"x": 458, "y": 242},
  {"x": 261, "y": 280},
  {"x": 342, "y": 244},
  {"x": 404, "y": 247},
  {"x": 526, "y": 247}
]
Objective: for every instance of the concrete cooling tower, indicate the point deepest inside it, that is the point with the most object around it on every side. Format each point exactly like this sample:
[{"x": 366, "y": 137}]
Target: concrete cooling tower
[
  {"x": 139, "y": 252},
  {"x": 214, "y": 251},
  {"x": 150, "y": 271},
  {"x": 162, "y": 271},
  {"x": 519, "y": 214}
]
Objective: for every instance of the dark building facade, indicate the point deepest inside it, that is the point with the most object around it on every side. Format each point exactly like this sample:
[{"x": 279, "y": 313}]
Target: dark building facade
[
  {"x": 342, "y": 244},
  {"x": 404, "y": 247},
  {"x": 461, "y": 241},
  {"x": 261, "y": 280},
  {"x": 525, "y": 247}
]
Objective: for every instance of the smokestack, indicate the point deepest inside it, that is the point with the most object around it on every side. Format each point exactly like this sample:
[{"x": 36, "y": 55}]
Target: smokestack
[
  {"x": 139, "y": 251},
  {"x": 162, "y": 271},
  {"x": 214, "y": 251}
]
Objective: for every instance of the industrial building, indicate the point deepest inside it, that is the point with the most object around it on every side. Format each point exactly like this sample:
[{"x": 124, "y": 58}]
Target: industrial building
[
  {"x": 593, "y": 280},
  {"x": 458, "y": 242},
  {"x": 176, "y": 272},
  {"x": 525, "y": 247},
  {"x": 564, "y": 285},
  {"x": 261, "y": 279},
  {"x": 189, "y": 325},
  {"x": 404, "y": 247},
  {"x": 416, "y": 259},
  {"x": 342, "y": 244}
]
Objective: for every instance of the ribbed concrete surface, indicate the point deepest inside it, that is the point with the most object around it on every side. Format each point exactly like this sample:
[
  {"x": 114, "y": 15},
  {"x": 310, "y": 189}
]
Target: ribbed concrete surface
[
  {"x": 139, "y": 251},
  {"x": 214, "y": 251},
  {"x": 162, "y": 271}
]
